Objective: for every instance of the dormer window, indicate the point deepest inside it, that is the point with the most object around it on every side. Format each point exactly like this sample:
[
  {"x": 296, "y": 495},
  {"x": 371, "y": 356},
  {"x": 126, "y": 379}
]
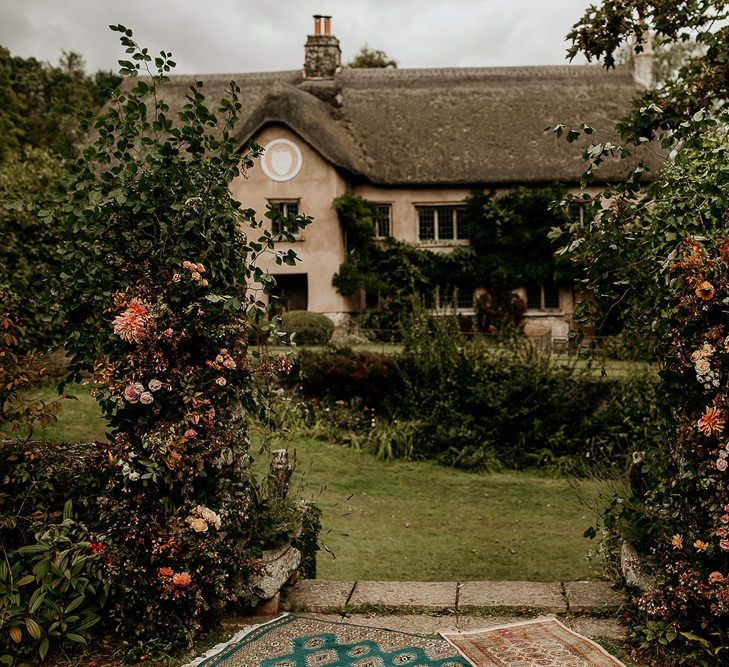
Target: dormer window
[{"x": 287, "y": 207}]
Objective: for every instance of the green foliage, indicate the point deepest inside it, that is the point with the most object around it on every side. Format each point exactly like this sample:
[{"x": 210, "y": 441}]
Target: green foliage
[
  {"x": 20, "y": 371},
  {"x": 509, "y": 238},
  {"x": 509, "y": 248},
  {"x": 308, "y": 540},
  {"x": 28, "y": 257},
  {"x": 473, "y": 405},
  {"x": 367, "y": 57},
  {"x": 33, "y": 92},
  {"x": 657, "y": 255},
  {"x": 157, "y": 260},
  {"x": 309, "y": 328},
  {"x": 51, "y": 591}
]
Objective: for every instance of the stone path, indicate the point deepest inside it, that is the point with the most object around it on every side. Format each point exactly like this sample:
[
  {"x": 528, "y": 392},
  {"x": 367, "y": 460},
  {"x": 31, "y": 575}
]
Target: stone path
[
  {"x": 588, "y": 607},
  {"x": 593, "y": 598}
]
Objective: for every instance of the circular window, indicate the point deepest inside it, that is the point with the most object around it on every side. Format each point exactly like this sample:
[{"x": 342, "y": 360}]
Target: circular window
[{"x": 281, "y": 160}]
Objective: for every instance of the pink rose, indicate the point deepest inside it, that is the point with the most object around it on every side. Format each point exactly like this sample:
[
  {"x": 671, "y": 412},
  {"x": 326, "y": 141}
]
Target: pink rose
[
  {"x": 721, "y": 464},
  {"x": 154, "y": 385},
  {"x": 176, "y": 278},
  {"x": 716, "y": 577},
  {"x": 200, "y": 268},
  {"x": 195, "y": 275},
  {"x": 204, "y": 282},
  {"x": 221, "y": 381},
  {"x": 724, "y": 544},
  {"x": 146, "y": 398},
  {"x": 190, "y": 433},
  {"x": 186, "y": 265},
  {"x": 722, "y": 532},
  {"x": 131, "y": 393},
  {"x": 168, "y": 332}
]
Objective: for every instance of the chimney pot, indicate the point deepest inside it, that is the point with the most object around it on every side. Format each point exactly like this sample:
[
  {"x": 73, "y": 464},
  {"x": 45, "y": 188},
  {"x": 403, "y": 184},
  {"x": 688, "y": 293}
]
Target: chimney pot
[{"x": 323, "y": 57}]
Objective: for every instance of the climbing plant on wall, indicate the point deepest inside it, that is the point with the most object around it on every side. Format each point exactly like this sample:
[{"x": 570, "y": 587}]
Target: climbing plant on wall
[{"x": 509, "y": 248}]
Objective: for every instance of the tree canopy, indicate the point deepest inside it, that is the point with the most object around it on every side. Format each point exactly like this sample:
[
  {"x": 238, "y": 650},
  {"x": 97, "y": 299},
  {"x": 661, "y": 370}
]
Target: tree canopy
[{"x": 367, "y": 57}]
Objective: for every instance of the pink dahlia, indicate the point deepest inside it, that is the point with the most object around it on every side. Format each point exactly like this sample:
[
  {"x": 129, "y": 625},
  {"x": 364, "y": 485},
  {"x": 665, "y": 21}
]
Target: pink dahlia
[{"x": 131, "y": 324}]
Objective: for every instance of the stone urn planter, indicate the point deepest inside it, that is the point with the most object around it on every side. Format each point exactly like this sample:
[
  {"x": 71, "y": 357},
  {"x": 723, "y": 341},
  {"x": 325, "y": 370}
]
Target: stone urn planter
[
  {"x": 277, "y": 567},
  {"x": 634, "y": 567}
]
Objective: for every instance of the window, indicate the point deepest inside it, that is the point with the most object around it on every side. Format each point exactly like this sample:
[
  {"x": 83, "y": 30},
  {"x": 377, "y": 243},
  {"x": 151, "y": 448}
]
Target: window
[
  {"x": 383, "y": 215},
  {"x": 464, "y": 297},
  {"x": 448, "y": 297},
  {"x": 543, "y": 297},
  {"x": 441, "y": 223},
  {"x": 285, "y": 208}
]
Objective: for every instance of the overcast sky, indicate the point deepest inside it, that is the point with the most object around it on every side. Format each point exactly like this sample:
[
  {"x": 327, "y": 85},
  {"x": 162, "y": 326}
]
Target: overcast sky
[{"x": 261, "y": 35}]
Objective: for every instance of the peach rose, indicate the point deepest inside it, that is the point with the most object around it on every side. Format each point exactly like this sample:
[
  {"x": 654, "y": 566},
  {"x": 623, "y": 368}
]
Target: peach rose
[{"x": 181, "y": 579}]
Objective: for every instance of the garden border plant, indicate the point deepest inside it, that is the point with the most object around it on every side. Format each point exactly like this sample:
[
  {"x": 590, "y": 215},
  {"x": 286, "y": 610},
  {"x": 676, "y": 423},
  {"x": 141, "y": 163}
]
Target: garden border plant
[
  {"x": 160, "y": 290},
  {"x": 659, "y": 255}
]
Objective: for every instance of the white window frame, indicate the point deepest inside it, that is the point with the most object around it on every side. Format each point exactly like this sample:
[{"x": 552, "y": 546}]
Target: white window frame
[{"x": 436, "y": 240}]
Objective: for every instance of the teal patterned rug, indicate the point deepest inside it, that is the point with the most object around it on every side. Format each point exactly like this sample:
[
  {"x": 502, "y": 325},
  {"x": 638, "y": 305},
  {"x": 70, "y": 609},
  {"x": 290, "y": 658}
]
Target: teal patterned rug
[{"x": 296, "y": 641}]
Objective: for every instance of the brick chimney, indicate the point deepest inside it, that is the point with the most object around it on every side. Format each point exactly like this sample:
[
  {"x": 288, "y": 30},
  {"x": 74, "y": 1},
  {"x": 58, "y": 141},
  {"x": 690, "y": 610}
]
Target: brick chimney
[{"x": 323, "y": 57}]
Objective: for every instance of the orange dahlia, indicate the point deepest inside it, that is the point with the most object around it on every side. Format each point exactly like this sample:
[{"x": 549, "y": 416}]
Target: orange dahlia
[{"x": 712, "y": 421}]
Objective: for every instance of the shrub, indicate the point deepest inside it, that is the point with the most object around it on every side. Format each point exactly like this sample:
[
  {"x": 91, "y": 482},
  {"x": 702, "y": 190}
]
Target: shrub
[
  {"x": 310, "y": 328},
  {"x": 468, "y": 403},
  {"x": 51, "y": 591},
  {"x": 342, "y": 374},
  {"x": 157, "y": 258}
]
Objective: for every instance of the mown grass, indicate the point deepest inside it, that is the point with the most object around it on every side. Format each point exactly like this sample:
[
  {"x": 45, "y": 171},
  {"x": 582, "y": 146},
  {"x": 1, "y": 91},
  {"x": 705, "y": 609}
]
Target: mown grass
[{"x": 403, "y": 520}]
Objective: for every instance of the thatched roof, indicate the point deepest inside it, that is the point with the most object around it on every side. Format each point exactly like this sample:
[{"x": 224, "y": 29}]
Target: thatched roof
[{"x": 470, "y": 126}]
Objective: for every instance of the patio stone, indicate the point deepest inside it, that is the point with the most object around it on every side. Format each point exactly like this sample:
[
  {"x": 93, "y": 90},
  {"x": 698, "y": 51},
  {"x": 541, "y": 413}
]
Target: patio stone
[
  {"x": 590, "y": 597},
  {"x": 407, "y": 596},
  {"x": 317, "y": 595},
  {"x": 511, "y": 596}
]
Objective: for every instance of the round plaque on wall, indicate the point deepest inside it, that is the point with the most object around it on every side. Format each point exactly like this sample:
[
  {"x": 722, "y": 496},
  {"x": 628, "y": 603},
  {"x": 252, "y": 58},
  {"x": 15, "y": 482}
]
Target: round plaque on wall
[{"x": 281, "y": 160}]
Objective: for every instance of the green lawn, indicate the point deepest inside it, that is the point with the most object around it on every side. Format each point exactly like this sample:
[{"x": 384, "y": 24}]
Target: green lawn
[{"x": 419, "y": 521}]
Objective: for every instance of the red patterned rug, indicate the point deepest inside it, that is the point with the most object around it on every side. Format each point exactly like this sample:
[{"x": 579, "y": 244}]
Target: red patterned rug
[{"x": 537, "y": 643}]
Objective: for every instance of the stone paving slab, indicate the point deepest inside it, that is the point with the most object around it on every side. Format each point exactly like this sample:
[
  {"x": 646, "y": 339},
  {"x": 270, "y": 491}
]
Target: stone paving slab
[
  {"x": 605, "y": 628},
  {"x": 317, "y": 595},
  {"x": 592, "y": 597},
  {"x": 414, "y": 595},
  {"x": 511, "y": 596}
]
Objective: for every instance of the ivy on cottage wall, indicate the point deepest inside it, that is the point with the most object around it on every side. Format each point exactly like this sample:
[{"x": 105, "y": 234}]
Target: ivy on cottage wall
[{"x": 509, "y": 248}]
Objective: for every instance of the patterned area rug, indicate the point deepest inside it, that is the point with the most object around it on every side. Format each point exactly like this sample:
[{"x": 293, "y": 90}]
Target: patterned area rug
[
  {"x": 537, "y": 643},
  {"x": 295, "y": 641}
]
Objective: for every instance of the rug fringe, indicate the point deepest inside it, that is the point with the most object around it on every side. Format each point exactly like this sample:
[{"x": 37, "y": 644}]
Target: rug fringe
[{"x": 238, "y": 636}]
